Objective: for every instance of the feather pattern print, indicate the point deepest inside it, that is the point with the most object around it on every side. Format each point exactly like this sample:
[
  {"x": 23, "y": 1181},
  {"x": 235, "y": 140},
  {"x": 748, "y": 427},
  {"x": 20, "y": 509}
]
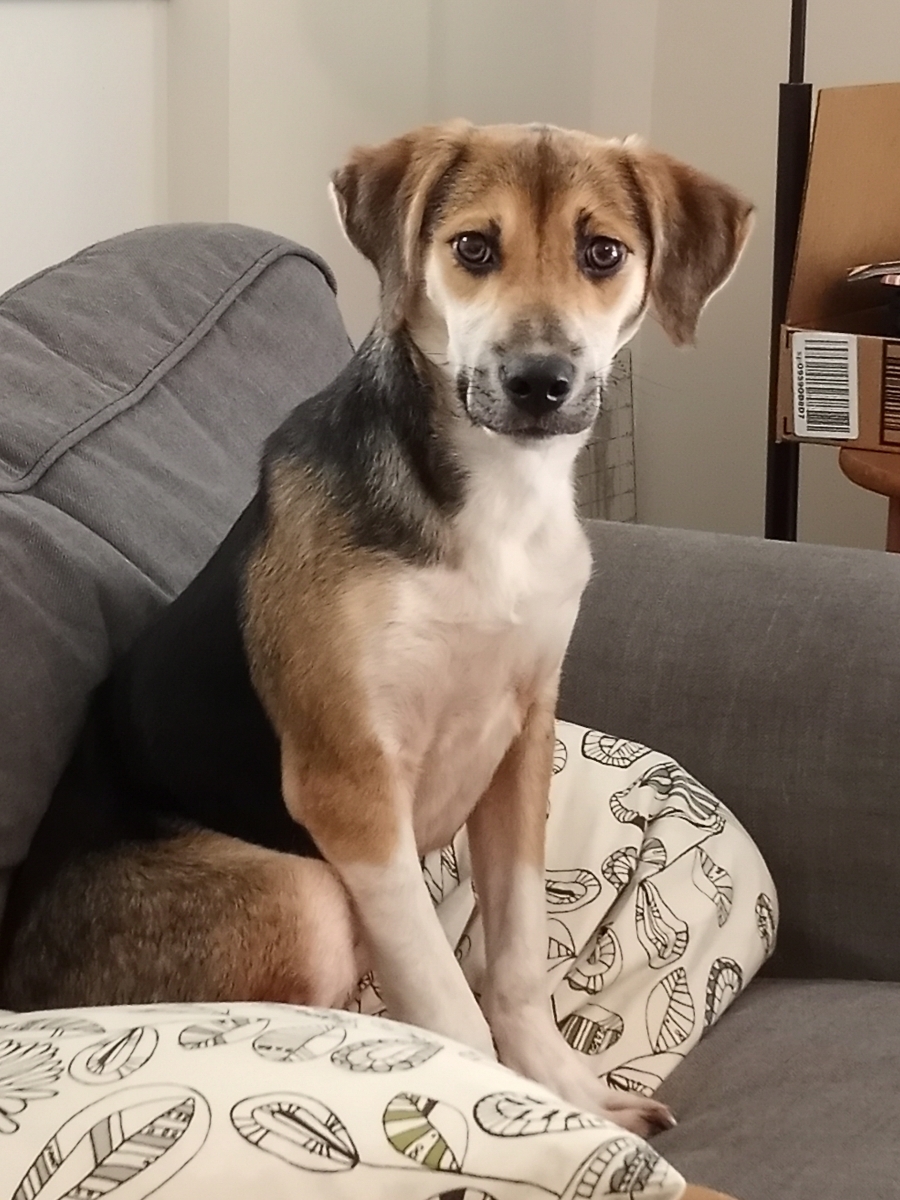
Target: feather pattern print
[
  {"x": 138, "y": 1136},
  {"x": 28, "y": 1071}
]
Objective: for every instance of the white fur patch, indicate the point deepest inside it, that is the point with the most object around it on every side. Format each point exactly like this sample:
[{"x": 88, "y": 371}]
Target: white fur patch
[
  {"x": 465, "y": 644},
  {"x": 421, "y": 980}
]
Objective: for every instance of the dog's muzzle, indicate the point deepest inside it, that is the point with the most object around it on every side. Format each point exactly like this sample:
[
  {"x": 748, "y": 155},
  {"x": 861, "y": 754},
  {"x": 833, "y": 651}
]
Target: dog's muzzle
[{"x": 530, "y": 395}]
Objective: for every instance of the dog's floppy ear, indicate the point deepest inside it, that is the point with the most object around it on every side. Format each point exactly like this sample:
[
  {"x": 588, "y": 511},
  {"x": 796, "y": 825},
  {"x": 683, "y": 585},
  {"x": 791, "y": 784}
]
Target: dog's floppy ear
[
  {"x": 698, "y": 228},
  {"x": 384, "y": 195}
]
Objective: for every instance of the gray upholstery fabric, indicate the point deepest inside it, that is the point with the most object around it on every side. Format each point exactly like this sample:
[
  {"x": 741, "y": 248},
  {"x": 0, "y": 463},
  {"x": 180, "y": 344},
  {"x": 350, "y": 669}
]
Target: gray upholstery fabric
[
  {"x": 772, "y": 672},
  {"x": 793, "y": 1096},
  {"x": 137, "y": 382}
]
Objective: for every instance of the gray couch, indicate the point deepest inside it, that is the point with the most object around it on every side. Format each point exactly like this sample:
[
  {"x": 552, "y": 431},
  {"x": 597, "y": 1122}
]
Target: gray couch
[{"x": 137, "y": 381}]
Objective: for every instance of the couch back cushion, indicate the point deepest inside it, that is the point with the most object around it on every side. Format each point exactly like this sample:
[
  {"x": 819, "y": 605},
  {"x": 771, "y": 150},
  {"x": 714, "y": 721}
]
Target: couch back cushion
[
  {"x": 137, "y": 383},
  {"x": 771, "y": 671}
]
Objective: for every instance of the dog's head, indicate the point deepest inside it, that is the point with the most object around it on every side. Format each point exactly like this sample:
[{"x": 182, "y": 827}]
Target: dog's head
[{"x": 521, "y": 258}]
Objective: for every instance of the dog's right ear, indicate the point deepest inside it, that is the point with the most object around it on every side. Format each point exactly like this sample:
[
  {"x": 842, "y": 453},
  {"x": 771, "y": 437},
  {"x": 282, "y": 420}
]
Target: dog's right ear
[{"x": 384, "y": 195}]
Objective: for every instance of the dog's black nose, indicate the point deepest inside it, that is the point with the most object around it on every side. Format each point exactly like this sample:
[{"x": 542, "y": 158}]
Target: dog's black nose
[{"x": 537, "y": 383}]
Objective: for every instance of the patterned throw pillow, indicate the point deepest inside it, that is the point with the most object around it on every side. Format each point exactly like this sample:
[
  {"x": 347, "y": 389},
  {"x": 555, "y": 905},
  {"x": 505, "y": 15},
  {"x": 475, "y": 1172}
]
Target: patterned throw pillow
[{"x": 275, "y": 1101}]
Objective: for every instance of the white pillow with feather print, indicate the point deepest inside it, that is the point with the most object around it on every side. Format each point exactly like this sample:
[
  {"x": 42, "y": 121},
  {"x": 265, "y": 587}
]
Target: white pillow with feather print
[{"x": 181, "y": 1101}]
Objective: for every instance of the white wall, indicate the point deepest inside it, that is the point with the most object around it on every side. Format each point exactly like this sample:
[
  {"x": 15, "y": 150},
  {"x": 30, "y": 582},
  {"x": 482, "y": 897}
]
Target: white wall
[{"x": 82, "y": 140}]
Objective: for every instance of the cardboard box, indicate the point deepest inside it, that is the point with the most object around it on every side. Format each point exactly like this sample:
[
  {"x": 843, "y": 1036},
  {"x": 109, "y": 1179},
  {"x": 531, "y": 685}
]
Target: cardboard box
[{"x": 838, "y": 381}]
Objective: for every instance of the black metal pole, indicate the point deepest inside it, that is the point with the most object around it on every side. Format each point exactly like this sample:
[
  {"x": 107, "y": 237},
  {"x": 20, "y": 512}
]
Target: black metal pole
[
  {"x": 797, "y": 52},
  {"x": 794, "y": 116}
]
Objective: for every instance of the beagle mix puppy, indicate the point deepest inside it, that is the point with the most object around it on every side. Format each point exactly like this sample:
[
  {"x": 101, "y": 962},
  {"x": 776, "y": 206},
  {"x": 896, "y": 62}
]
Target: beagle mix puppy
[{"x": 370, "y": 660}]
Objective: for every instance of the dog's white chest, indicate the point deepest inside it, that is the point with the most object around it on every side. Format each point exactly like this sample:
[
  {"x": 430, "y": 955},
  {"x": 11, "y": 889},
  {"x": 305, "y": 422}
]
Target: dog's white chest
[{"x": 452, "y": 671}]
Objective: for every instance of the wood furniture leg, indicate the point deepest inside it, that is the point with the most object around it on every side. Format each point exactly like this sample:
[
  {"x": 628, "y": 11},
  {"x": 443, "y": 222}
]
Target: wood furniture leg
[
  {"x": 877, "y": 471},
  {"x": 893, "y": 530}
]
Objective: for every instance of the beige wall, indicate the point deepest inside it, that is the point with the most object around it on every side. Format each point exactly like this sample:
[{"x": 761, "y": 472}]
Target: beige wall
[
  {"x": 82, "y": 99},
  {"x": 265, "y": 101},
  {"x": 701, "y": 413}
]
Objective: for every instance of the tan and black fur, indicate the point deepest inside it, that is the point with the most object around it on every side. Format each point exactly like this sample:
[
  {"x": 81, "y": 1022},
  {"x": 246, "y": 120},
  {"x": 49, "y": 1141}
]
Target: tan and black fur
[{"x": 257, "y": 779}]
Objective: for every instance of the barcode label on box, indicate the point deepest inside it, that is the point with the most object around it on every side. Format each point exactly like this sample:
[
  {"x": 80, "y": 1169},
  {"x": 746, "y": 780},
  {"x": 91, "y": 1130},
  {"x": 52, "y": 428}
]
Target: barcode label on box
[
  {"x": 891, "y": 388},
  {"x": 826, "y": 403}
]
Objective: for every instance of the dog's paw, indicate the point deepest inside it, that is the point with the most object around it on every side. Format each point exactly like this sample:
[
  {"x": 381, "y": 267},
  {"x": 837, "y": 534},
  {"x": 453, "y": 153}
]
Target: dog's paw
[
  {"x": 638, "y": 1114},
  {"x": 544, "y": 1055}
]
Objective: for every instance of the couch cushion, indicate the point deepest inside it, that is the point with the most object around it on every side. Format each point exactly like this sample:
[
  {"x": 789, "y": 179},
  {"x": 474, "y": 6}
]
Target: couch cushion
[
  {"x": 282, "y": 1102},
  {"x": 771, "y": 671},
  {"x": 137, "y": 381},
  {"x": 793, "y": 1095}
]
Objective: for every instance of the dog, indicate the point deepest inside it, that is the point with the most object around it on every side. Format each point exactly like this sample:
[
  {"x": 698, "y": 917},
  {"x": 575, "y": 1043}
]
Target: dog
[{"x": 371, "y": 659}]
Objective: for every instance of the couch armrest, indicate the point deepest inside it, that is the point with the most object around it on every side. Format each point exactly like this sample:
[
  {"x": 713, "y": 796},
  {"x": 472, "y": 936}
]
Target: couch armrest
[{"x": 772, "y": 673}]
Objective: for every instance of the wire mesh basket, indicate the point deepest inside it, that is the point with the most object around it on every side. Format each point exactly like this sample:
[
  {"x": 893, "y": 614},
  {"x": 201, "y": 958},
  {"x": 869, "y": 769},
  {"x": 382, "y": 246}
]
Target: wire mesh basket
[{"x": 604, "y": 473}]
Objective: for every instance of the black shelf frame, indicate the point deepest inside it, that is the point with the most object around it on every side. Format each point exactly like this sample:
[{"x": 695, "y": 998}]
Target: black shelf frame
[{"x": 794, "y": 121}]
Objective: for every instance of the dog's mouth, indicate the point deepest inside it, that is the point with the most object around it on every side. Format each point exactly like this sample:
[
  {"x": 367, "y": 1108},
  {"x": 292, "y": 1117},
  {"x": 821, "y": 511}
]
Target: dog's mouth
[
  {"x": 535, "y": 433},
  {"x": 488, "y": 407}
]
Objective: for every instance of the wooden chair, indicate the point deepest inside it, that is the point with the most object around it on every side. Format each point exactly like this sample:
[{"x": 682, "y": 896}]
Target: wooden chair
[{"x": 877, "y": 472}]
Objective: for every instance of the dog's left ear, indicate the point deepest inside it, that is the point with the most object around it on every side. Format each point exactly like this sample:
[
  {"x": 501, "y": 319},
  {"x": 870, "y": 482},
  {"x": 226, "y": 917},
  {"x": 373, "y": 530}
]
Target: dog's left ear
[
  {"x": 385, "y": 196},
  {"x": 699, "y": 227}
]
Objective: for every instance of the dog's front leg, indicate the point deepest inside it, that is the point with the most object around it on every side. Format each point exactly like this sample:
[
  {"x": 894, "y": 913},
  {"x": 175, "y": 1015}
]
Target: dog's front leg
[
  {"x": 421, "y": 981},
  {"x": 506, "y": 836},
  {"x": 364, "y": 829}
]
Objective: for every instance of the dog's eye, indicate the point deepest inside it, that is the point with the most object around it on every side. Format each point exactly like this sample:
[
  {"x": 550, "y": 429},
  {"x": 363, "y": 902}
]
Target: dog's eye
[
  {"x": 475, "y": 251},
  {"x": 603, "y": 256}
]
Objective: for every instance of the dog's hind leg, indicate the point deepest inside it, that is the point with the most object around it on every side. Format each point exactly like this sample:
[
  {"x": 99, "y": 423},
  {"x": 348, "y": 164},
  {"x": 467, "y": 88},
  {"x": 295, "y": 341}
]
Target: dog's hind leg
[{"x": 198, "y": 917}]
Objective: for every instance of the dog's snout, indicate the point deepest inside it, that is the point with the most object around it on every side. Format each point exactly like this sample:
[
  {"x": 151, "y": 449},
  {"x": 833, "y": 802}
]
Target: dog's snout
[{"x": 537, "y": 383}]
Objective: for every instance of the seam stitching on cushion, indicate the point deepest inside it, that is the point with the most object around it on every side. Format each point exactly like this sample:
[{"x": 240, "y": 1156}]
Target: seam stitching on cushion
[
  {"x": 170, "y": 359},
  {"x": 300, "y": 251},
  {"x": 154, "y": 580},
  {"x": 89, "y": 373}
]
